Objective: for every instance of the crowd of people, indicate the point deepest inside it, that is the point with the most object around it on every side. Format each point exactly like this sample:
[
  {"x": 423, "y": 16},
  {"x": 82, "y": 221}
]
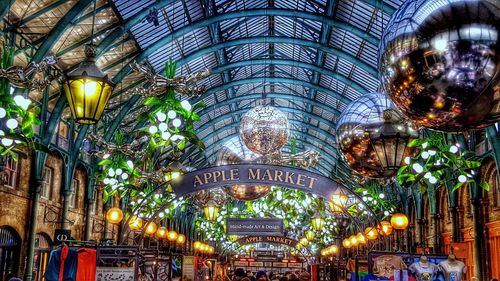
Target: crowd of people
[{"x": 241, "y": 275}]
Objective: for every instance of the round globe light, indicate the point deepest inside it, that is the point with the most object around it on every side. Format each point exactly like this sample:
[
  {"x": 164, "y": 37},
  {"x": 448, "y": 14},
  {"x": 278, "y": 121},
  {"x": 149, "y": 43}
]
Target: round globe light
[{"x": 12, "y": 123}]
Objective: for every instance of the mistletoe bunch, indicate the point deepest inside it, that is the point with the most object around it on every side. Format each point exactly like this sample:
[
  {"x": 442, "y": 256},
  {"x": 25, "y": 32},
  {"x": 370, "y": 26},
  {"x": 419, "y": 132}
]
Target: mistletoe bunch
[{"x": 439, "y": 162}]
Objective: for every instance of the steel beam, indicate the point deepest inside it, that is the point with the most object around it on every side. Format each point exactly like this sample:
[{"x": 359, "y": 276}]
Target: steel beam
[
  {"x": 283, "y": 80},
  {"x": 289, "y": 62},
  {"x": 57, "y": 31}
]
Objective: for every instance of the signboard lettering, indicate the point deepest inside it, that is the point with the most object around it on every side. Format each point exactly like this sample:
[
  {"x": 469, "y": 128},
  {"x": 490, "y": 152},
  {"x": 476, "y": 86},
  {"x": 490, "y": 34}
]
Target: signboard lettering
[
  {"x": 254, "y": 174},
  {"x": 254, "y": 226},
  {"x": 268, "y": 239}
]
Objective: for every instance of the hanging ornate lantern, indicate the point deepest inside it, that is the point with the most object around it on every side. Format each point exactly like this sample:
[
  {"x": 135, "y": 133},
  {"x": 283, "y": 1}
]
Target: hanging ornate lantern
[
  {"x": 385, "y": 228},
  {"x": 162, "y": 232},
  {"x": 114, "y": 215},
  {"x": 135, "y": 223},
  {"x": 399, "y": 221},
  {"x": 373, "y": 144},
  {"x": 87, "y": 89},
  {"x": 151, "y": 228},
  {"x": 338, "y": 202},
  {"x": 317, "y": 222},
  {"x": 371, "y": 233},
  {"x": 181, "y": 239},
  {"x": 346, "y": 243},
  {"x": 439, "y": 63},
  {"x": 211, "y": 212},
  {"x": 310, "y": 235},
  {"x": 172, "y": 235}
]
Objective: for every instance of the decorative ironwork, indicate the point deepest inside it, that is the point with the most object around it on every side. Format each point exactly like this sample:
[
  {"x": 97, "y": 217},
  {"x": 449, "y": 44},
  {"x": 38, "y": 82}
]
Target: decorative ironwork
[{"x": 29, "y": 77}]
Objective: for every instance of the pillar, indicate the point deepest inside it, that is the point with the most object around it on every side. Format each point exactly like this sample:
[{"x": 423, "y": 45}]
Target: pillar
[
  {"x": 28, "y": 274},
  {"x": 88, "y": 219},
  {"x": 64, "y": 218},
  {"x": 435, "y": 233},
  {"x": 455, "y": 236},
  {"x": 478, "y": 237}
]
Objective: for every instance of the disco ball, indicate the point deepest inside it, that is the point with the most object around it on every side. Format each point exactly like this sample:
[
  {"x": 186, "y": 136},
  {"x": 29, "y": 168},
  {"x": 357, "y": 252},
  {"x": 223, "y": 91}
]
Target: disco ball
[
  {"x": 373, "y": 137},
  {"x": 235, "y": 152},
  {"x": 264, "y": 129},
  {"x": 440, "y": 61}
]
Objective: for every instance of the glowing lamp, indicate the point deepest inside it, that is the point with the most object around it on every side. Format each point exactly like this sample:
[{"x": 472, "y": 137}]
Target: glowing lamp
[
  {"x": 371, "y": 233},
  {"x": 304, "y": 242},
  {"x": 181, "y": 238},
  {"x": 151, "y": 228},
  {"x": 310, "y": 235},
  {"x": 399, "y": 221},
  {"x": 114, "y": 215},
  {"x": 197, "y": 245},
  {"x": 361, "y": 238},
  {"x": 87, "y": 89},
  {"x": 317, "y": 222},
  {"x": 354, "y": 240},
  {"x": 334, "y": 249},
  {"x": 135, "y": 223},
  {"x": 324, "y": 252},
  {"x": 346, "y": 243},
  {"x": 385, "y": 228},
  {"x": 172, "y": 235},
  {"x": 338, "y": 202},
  {"x": 162, "y": 232},
  {"x": 211, "y": 250},
  {"x": 211, "y": 212}
]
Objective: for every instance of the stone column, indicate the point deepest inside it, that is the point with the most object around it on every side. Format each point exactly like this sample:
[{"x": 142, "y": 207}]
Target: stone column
[{"x": 28, "y": 273}]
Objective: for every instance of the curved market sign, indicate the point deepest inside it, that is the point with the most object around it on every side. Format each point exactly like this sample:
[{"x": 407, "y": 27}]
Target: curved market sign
[
  {"x": 268, "y": 239},
  {"x": 258, "y": 174}
]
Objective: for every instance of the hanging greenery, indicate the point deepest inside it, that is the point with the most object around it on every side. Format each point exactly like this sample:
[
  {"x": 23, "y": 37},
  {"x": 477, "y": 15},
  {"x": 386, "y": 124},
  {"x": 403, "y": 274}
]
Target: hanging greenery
[
  {"x": 439, "y": 162},
  {"x": 134, "y": 170},
  {"x": 18, "y": 115}
]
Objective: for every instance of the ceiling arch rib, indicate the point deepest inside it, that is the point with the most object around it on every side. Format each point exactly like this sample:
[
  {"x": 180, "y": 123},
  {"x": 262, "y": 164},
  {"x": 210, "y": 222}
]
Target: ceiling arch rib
[
  {"x": 284, "y": 80},
  {"x": 289, "y": 97},
  {"x": 204, "y": 22},
  {"x": 289, "y": 62},
  {"x": 58, "y": 30}
]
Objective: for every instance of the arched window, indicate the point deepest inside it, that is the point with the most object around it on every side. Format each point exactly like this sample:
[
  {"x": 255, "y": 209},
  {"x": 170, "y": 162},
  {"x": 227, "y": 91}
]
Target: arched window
[
  {"x": 10, "y": 247},
  {"x": 43, "y": 245}
]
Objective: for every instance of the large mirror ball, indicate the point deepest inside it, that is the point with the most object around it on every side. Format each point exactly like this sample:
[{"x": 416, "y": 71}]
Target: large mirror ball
[
  {"x": 439, "y": 63},
  {"x": 363, "y": 117}
]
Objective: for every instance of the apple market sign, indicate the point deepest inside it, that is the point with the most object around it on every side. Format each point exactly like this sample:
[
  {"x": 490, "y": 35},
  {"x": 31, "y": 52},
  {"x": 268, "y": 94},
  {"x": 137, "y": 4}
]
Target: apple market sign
[
  {"x": 260, "y": 174},
  {"x": 267, "y": 239}
]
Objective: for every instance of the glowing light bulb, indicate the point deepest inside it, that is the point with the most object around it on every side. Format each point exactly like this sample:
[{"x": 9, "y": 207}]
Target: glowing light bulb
[
  {"x": 381, "y": 196},
  {"x": 186, "y": 105},
  {"x": 418, "y": 168},
  {"x": 177, "y": 122},
  {"x": 124, "y": 176},
  {"x": 153, "y": 130},
  {"x": 171, "y": 114},
  {"x": 118, "y": 171},
  {"x": 428, "y": 175},
  {"x": 7, "y": 142},
  {"x": 3, "y": 112},
  {"x": 12, "y": 124},
  {"x": 111, "y": 172},
  {"x": 90, "y": 88},
  {"x": 163, "y": 126},
  {"x": 462, "y": 178},
  {"x": 161, "y": 116},
  {"x": 425, "y": 154},
  {"x": 407, "y": 160},
  {"x": 165, "y": 135},
  {"x": 432, "y": 152},
  {"x": 130, "y": 164},
  {"x": 433, "y": 180},
  {"x": 453, "y": 149}
]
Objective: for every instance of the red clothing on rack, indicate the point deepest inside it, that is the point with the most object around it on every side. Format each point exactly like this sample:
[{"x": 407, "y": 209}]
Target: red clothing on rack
[{"x": 86, "y": 265}]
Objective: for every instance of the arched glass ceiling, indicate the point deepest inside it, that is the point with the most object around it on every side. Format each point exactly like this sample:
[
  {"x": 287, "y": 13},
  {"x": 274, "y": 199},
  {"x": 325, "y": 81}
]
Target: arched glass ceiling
[{"x": 308, "y": 57}]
